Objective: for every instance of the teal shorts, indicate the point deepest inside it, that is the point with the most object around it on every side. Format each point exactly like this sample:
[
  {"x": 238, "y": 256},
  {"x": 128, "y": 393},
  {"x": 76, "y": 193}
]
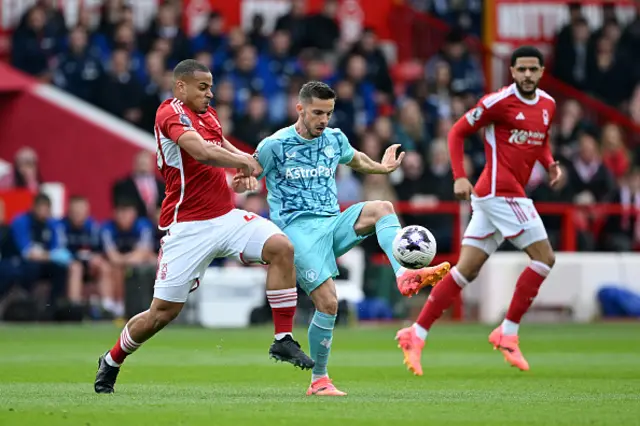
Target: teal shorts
[{"x": 318, "y": 241}]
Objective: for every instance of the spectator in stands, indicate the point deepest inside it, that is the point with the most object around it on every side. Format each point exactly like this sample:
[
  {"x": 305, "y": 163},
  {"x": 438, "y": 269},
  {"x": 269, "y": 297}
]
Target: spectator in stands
[
  {"x": 121, "y": 93},
  {"x": 614, "y": 153},
  {"x": 26, "y": 173},
  {"x": 256, "y": 34},
  {"x": 36, "y": 237},
  {"x": 213, "y": 38},
  {"x": 224, "y": 93},
  {"x": 167, "y": 26},
  {"x": 224, "y": 58},
  {"x": 112, "y": 14},
  {"x": 10, "y": 262},
  {"x": 81, "y": 235},
  {"x": 466, "y": 72},
  {"x": 565, "y": 39},
  {"x": 377, "y": 67},
  {"x": 410, "y": 129},
  {"x": 622, "y": 232},
  {"x": 79, "y": 69},
  {"x": 609, "y": 78},
  {"x": 364, "y": 90},
  {"x": 589, "y": 178},
  {"x": 561, "y": 193},
  {"x": 142, "y": 186},
  {"x": 127, "y": 241},
  {"x": 246, "y": 78},
  {"x": 156, "y": 92},
  {"x": 295, "y": 23},
  {"x": 254, "y": 125},
  {"x": 279, "y": 62},
  {"x": 53, "y": 17},
  {"x": 323, "y": 23},
  {"x": 570, "y": 124},
  {"x": 34, "y": 45},
  {"x": 346, "y": 116},
  {"x": 125, "y": 39}
]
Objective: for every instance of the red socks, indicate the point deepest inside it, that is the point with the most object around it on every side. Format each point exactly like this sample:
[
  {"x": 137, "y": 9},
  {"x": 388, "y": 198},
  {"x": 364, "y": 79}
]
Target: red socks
[
  {"x": 283, "y": 306},
  {"x": 124, "y": 347},
  {"x": 441, "y": 297},
  {"x": 526, "y": 290}
]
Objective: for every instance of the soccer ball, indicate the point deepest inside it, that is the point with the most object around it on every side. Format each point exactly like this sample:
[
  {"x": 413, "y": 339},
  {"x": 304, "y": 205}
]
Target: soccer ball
[{"x": 414, "y": 247}]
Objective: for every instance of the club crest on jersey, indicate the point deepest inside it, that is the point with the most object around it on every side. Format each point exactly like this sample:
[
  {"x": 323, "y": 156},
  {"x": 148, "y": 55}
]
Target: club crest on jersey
[
  {"x": 474, "y": 115},
  {"x": 329, "y": 151},
  {"x": 545, "y": 117}
]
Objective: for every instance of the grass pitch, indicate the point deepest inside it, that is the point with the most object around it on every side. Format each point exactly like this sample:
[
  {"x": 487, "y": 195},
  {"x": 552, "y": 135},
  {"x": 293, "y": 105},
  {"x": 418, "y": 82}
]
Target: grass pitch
[{"x": 580, "y": 375}]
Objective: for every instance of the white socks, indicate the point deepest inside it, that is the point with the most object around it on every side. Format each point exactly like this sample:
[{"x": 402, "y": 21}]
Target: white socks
[
  {"x": 421, "y": 332},
  {"x": 315, "y": 377},
  {"x": 110, "y": 360},
  {"x": 510, "y": 328},
  {"x": 280, "y": 336}
]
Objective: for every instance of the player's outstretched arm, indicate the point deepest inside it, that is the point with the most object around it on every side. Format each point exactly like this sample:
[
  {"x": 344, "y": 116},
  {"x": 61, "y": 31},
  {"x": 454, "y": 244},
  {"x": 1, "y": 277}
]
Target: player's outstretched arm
[
  {"x": 390, "y": 162},
  {"x": 216, "y": 156}
]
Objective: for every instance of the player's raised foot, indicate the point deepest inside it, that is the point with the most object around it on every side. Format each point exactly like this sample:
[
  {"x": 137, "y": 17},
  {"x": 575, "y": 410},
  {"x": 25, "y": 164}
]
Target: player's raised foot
[
  {"x": 509, "y": 346},
  {"x": 288, "y": 350},
  {"x": 324, "y": 387},
  {"x": 106, "y": 376},
  {"x": 411, "y": 346},
  {"x": 413, "y": 280}
]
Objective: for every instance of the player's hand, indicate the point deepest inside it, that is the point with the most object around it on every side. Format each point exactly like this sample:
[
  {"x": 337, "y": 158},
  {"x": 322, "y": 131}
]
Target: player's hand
[
  {"x": 251, "y": 167},
  {"x": 389, "y": 160},
  {"x": 463, "y": 189},
  {"x": 242, "y": 184},
  {"x": 555, "y": 174}
]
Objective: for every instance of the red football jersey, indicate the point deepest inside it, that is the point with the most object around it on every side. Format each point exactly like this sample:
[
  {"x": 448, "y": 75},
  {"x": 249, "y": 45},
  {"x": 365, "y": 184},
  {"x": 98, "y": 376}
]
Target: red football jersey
[
  {"x": 516, "y": 132},
  {"x": 194, "y": 191}
]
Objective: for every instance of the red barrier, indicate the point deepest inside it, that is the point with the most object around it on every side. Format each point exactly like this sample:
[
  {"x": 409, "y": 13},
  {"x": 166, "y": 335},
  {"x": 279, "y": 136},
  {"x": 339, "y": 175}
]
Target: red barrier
[{"x": 16, "y": 201}]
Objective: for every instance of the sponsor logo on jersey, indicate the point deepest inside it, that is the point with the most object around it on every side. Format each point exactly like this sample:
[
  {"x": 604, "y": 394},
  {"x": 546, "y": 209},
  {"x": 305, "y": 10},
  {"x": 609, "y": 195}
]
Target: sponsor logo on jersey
[
  {"x": 529, "y": 137},
  {"x": 302, "y": 173}
]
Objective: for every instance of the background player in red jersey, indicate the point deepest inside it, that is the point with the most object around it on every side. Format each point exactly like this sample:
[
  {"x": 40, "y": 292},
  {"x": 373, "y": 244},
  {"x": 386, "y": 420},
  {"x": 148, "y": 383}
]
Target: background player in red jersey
[
  {"x": 202, "y": 224},
  {"x": 516, "y": 122}
]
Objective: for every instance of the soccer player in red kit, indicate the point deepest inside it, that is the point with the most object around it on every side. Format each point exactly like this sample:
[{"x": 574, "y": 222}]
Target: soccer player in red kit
[
  {"x": 202, "y": 224},
  {"x": 516, "y": 122}
]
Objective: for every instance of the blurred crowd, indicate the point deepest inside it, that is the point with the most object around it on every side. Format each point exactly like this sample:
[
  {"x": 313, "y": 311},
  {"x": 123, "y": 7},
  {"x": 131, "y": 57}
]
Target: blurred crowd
[{"x": 257, "y": 76}]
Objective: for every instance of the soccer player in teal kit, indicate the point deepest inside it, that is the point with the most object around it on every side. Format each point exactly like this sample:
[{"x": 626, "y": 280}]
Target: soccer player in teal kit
[{"x": 300, "y": 164}]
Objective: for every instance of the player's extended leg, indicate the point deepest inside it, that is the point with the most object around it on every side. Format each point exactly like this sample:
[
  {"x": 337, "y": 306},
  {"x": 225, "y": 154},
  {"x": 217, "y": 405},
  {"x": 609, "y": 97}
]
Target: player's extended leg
[
  {"x": 379, "y": 216},
  {"x": 325, "y": 299},
  {"x": 283, "y": 296},
  {"x": 138, "y": 330},
  {"x": 505, "y": 337},
  {"x": 411, "y": 339}
]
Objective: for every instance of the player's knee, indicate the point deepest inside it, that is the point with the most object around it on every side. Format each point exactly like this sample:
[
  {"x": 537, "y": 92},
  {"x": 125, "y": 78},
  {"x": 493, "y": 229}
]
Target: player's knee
[
  {"x": 382, "y": 208},
  {"x": 278, "y": 249},
  {"x": 162, "y": 313},
  {"x": 548, "y": 258},
  {"x": 328, "y": 305}
]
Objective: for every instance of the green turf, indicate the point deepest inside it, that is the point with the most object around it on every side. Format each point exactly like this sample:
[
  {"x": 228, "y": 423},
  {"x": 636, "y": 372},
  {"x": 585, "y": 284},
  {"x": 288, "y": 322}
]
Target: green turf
[{"x": 581, "y": 375}]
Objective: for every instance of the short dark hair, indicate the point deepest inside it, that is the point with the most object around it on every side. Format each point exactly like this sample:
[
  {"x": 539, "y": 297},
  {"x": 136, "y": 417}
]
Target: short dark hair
[
  {"x": 76, "y": 198},
  {"x": 188, "y": 68},
  {"x": 527, "y": 52},
  {"x": 316, "y": 89},
  {"x": 125, "y": 203},
  {"x": 41, "y": 198}
]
